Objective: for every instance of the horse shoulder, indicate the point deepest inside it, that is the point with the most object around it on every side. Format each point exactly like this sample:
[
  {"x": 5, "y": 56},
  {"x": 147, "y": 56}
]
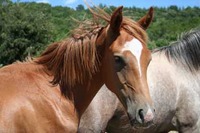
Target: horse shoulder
[{"x": 29, "y": 103}]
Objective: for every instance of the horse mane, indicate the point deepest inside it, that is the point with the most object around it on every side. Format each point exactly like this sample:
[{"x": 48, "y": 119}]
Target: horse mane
[
  {"x": 185, "y": 51},
  {"x": 75, "y": 59}
]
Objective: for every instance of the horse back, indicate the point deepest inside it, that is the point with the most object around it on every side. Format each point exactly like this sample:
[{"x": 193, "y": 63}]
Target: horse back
[{"x": 29, "y": 103}]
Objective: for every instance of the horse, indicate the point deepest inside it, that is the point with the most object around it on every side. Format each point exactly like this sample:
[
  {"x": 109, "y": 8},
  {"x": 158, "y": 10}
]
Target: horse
[
  {"x": 49, "y": 93},
  {"x": 174, "y": 82}
]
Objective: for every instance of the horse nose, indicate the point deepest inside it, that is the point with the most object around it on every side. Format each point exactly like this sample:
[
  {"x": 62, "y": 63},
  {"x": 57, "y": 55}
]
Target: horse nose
[
  {"x": 141, "y": 115},
  {"x": 145, "y": 118}
]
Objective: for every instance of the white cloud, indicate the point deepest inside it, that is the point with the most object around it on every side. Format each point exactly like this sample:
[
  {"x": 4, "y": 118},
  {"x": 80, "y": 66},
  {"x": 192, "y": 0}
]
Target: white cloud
[
  {"x": 69, "y": 2},
  {"x": 42, "y": 1}
]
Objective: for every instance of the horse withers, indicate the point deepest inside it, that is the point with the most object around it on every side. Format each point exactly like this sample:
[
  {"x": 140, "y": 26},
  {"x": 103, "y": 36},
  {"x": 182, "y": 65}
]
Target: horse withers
[
  {"x": 174, "y": 83},
  {"x": 51, "y": 92}
]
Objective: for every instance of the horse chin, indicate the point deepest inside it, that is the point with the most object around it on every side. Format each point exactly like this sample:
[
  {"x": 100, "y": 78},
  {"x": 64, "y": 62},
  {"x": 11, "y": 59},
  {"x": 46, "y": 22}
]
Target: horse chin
[{"x": 136, "y": 125}]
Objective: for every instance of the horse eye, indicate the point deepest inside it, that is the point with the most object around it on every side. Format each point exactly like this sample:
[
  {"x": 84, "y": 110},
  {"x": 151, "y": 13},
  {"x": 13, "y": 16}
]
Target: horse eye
[
  {"x": 119, "y": 63},
  {"x": 118, "y": 59}
]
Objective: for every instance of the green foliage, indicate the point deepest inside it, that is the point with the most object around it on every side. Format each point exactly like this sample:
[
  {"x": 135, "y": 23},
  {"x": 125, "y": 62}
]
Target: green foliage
[
  {"x": 26, "y": 28},
  {"x": 80, "y": 8},
  {"x": 22, "y": 32},
  {"x": 171, "y": 22}
]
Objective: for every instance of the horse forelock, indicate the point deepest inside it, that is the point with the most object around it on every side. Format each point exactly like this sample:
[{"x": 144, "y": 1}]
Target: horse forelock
[
  {"x": 131, "y": 26},
  {"x": 185, "y": 51},
  {"x": 73, "y": 60}
]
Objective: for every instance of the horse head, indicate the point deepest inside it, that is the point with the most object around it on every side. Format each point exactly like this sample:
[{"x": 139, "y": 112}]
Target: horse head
[{"x": 124, "y": 64}]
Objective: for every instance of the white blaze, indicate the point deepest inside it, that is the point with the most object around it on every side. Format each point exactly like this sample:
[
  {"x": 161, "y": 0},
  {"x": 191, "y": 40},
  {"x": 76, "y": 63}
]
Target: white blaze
[{"x": 135, "y": 47}]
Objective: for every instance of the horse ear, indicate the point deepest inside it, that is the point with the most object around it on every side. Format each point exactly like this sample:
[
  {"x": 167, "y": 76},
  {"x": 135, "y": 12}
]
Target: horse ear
[
  {"x": 146, "y": 20},
  {"x": 116, "y": 20}
]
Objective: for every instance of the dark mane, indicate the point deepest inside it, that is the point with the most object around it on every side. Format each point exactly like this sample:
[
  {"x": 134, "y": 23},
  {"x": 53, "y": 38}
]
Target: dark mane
[
  {"x": 185, "y": 51},
  {"x": 71, "y": 60}
]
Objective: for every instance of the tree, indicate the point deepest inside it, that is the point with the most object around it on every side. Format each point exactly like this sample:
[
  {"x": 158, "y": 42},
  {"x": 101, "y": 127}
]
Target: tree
[
  {"x": 80, "y": 8},
  {"x": 5, "y": 2},
  {"x": 22, "y": 33},
  {"x": 25, "y": 28}
]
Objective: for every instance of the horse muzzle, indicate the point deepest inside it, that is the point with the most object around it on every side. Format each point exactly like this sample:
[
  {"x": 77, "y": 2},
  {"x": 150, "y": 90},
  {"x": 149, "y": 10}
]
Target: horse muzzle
[{"x": 142, "y": 118}]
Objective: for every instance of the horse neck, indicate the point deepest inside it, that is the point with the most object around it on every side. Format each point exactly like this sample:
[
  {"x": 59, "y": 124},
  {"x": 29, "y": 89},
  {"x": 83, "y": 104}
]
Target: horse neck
[{"x": 84, "y": 93}]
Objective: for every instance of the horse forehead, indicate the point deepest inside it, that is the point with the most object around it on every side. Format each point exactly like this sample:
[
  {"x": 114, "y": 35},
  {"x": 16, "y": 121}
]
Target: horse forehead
[{"x": 134, "y": 46}]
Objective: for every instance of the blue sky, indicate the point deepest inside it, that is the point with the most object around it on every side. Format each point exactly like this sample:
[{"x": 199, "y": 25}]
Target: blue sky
[{"x": 126, "y": 3}]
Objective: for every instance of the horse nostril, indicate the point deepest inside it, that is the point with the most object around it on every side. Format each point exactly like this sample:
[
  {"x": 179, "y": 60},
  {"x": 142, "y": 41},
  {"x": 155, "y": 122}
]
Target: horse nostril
[{"x": 141, "y": 114}]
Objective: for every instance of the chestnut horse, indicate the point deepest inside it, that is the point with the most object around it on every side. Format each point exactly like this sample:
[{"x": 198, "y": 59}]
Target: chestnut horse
[
  {"x": 51, "y": 92},
  {"x": 174, "y": 83}
]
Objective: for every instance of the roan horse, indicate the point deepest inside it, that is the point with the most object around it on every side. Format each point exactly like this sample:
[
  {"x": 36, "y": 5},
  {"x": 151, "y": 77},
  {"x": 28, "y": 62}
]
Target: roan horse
[
  {"x": 174, "y": 82},
  {"x": 51, "y": 92}
]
